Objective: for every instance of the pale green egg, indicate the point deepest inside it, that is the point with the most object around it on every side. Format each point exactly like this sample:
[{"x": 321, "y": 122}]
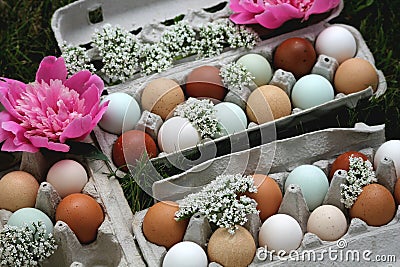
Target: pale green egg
[
  {"x": 258, "y": 66},
  {"x": 313, "y": 183},
  {"x": 311, "y": 90},
  {"x": 28, "y": 216},
  {"x": 231, "y": 117}
]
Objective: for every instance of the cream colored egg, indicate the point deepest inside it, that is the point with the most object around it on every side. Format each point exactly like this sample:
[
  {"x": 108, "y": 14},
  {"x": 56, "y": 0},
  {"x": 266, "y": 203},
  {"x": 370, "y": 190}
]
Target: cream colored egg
[
  {"x": 327, "y": 222},
  {"x": 267, "y": 103},
  {"x": 18, "y": 189},
  {"x": 67, "y": 177},
  {"x": 161, "y": 96}
]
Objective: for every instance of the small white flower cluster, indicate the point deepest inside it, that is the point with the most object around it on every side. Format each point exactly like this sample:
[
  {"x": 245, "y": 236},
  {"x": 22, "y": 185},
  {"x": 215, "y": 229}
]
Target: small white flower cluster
[
  {"x": 23, "y": 246},
  {"x": 235, "y": 75},
  {"x": 360, "y": 174},
  {"x": 215, "y": 36},
  {"x": 154, "y": 58},
  {"x": 76, "y": 59},
  {"x": 201, "y": 114},
  {"x": 218, "y": 201},
  {"x": 179, "y": 40},
  {"x": 119, "y": 50}
]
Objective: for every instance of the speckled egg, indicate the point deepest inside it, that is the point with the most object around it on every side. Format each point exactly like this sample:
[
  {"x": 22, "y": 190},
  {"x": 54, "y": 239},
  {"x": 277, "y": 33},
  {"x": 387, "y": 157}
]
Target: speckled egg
[
  {"x": 267, "y": 103},
  {"x": 18, "y": 189},
  {"x": 296, "y": 55},
  {"x": 161, "y": 96},
  {"x": 82, "y": 214},
  {"x": 375, "y": 205}
]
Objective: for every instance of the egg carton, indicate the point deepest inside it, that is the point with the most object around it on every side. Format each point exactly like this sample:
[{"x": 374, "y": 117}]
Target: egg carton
[
  {"x": 318, "y": 148},
  {"x": 107, "y": 249},
  {"x": 236, "y": 141}
]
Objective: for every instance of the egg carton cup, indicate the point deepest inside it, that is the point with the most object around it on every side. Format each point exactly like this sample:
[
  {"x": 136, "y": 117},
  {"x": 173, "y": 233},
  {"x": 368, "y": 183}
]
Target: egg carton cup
[
  {"x": 266, "y": 49},
  {"x": 318, "y": 148},
  {"x": 106, "y": 250}
]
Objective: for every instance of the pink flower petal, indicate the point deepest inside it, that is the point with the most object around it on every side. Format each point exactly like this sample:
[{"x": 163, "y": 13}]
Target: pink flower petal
[
  {"x": 51, "y": 68},
  {"x": 9, "y": 92},
  {"x": 9, "y": 146},
  {"x": 77, "y": 128},
  {"x": 243, "y": 18},
  {"x": 321, "y": 6},
  {"x": 40, "y": 141},
  {"x": 82, "y": 80},
  {"x": 275, "y": 15},
  {"x": 4, "y": 117},
  {"x": 17, "y": 131},
  {"x": 251, "y": 6},
  {"x": 236, "y": 6},
  {"x": 91, "y": 98}
]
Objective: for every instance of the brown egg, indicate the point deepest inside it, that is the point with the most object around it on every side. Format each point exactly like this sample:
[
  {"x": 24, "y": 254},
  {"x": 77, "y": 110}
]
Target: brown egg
[
  {"x": 229, "y": 250},
  {"x": 354, "y": 75},
  {"x": 131, "y": 146},
  {"x": 296, "y": 55},
  {"x": 205, "y": 81},
  {"x": 397, "y": 192},
  {"x": 375, "y": 205},
  {"x": 267, "y": 103},
  {"x": 268, "y": 196},
  {"x": 160, "y": 226},
  {"x": 342, "y": 162},
  {"x": 82, "y": 214},
  {"x": 161, "y": 96},
  {"x": 18, "y": 189}
]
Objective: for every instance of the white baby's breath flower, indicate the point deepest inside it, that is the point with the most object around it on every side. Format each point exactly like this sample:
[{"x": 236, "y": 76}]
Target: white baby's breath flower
[
  {"x": 76, "y": 59},
  {"x": 218, "y": 201},
  {"x": 119, "y": 50},
  {"x": 201, "y": 114},
  {"x": 154, "y": 58},
  {"x": 360, "y": 174},
  {"x": 179, "y": 40},
  {"x": 236, "y": 75},
  {"x": 24, "y": 246}
]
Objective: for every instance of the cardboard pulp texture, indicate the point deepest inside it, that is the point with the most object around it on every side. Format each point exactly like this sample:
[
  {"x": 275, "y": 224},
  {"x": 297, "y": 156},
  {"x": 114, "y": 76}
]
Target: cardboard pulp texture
[
  {"x": 361, "y": 243},
  {"x": 114, "y": 235},
  {"x": 72, "y": 24}
]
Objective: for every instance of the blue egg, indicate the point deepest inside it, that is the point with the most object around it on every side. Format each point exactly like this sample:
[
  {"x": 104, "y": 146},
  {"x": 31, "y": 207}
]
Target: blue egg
[
  {"x": 258, "y": 66},
  {"x": 311, "y": 90},
  {"x": 28, "y": 216},
  {"x": 313, "y": 183}
]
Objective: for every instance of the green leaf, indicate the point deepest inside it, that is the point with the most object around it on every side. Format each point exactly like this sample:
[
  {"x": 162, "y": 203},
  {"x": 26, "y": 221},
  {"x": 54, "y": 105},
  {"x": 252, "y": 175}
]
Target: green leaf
[{"x": 86, "y": 150}]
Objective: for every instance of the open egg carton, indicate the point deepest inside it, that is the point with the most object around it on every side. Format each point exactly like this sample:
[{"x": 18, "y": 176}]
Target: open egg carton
[
  {"x": 73, "y": 25},
  {"x": 106, "y": 249},
  {"x": 277, "y": 159}
]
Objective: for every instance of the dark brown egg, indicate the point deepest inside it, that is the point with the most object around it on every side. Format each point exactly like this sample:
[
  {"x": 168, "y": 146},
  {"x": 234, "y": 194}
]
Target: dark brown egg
[
  {"x": 296, "y": 55},
  {"x": 205, "y": 81},
  {"x": 131, "y": 146},
  {"x": 397, "y": 192},
  {"x": 342, "y": 162}
]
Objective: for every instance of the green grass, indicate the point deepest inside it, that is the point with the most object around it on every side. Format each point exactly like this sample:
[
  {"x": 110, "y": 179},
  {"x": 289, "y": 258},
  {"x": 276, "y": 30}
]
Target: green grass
[{"x": 26, "y": 37}]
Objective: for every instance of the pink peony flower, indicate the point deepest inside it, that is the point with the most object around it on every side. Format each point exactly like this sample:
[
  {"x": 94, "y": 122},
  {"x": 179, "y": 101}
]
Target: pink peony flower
[
  {"x": 51, "y": 110},
  {"x": 272, "y": 14}
]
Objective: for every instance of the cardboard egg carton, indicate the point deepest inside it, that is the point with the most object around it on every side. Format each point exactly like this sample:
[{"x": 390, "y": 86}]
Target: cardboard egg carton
[
  {"x": 318, "y": 148},
  {"x": 106, "y": 250},
  {"x": 266, "y": 48}
]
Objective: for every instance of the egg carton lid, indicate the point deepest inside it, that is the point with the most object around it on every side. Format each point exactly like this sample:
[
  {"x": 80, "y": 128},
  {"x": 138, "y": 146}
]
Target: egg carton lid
[{"x": 76, "y": 22}]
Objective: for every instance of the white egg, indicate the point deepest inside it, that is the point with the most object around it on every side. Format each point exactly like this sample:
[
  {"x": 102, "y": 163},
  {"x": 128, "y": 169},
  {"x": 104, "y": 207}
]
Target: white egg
[
  {"x": 280, "y": 233},
  {"x": 67, "y": 177},
  {"x": 231, "y": 117},
  {"x": 185, "y": 254},
  {"x": 389, "y": 149},
  {"x": 177, "y": 134},
  {"x": 336, "y": 42},
  {"x": 122, "y": 114}
]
